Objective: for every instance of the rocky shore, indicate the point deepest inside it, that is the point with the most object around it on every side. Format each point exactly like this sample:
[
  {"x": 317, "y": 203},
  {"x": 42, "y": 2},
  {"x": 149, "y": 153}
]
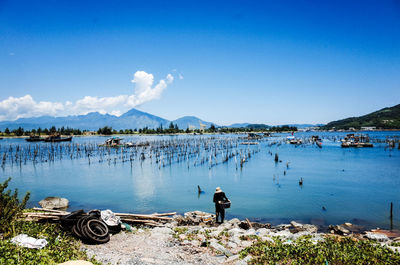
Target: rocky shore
[{"x": 195, "y": 239}]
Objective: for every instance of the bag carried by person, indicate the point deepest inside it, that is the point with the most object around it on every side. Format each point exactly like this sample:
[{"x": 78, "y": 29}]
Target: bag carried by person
[{"x": 225, "y": 204}]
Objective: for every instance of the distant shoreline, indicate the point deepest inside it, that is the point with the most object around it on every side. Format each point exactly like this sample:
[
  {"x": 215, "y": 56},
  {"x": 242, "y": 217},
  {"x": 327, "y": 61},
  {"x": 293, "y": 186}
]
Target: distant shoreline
[{"x": 205, "y": 133}]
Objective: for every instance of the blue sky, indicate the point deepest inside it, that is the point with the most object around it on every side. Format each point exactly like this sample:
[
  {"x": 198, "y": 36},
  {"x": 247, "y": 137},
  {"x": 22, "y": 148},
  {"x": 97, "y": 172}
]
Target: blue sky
[{"x": 272, "y": 62}]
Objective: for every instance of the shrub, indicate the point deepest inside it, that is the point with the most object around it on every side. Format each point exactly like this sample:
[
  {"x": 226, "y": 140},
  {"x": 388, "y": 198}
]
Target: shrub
[{"x": 10, "y": 208}]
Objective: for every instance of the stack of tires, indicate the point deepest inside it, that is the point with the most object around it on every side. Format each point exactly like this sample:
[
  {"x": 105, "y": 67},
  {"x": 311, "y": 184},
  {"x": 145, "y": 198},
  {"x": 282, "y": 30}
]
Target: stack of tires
[{"x": 89, "y": 227}]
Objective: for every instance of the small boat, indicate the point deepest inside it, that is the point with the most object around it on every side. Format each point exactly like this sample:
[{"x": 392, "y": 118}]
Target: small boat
[
  {"x": 57, "y": 138},
  {"x": 253, "y": 136},
  {"x": 319, "y": 144},
  {"x": 352, "y": 140},
  {"x": 249, "y": 143},
  {"x": 293, "y": 140},
  {"x": 113, "y": 142},
  {"x": 34, "y": 138}
]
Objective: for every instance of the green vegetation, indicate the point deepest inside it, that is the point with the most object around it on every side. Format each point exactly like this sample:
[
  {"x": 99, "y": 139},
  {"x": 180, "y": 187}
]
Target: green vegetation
[
  {"x": 10, "y": 208},
  {"x": 332, "y": 250},
  {"x": 39, "y": 131},
  {"x": 61, "y": 246},
  {"x": 172, "y": 129},
  {"x": 387, "y": 118}
]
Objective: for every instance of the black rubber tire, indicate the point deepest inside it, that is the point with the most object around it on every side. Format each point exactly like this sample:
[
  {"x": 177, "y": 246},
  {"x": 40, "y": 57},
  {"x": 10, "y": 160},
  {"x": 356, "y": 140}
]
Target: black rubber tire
[
  {"x": 76, "y": 232},
  {"x": 114, "y": 229},
  {"x": 95, "y": 225},
  {"x": 72, "y": 215}
]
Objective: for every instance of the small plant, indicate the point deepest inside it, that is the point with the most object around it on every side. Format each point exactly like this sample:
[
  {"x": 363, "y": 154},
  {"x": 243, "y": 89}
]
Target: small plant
[
  {"x": 331, "y": 250},
  {"x": 10, "y": 208}
]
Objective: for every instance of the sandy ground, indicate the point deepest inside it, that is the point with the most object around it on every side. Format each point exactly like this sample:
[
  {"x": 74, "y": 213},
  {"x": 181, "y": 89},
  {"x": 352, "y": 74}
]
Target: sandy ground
[{"x": 146, "y": 247}]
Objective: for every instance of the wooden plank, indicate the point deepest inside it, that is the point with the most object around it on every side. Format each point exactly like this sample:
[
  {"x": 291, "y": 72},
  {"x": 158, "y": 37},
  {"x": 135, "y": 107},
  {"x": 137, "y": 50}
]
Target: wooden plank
[
  {"x": 143, "y": 216},
  {"x": 50, "y": 210}
]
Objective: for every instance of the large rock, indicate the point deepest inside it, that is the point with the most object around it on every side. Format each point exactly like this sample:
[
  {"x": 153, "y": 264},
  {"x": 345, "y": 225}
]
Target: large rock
[
  {"x": 235, "y": 222},
  {"x": 377, "y": 236},
  {"x": 197, "y": 217},
  {"x": 338, "y": 229},
  {"x": 54, "y": 203}
]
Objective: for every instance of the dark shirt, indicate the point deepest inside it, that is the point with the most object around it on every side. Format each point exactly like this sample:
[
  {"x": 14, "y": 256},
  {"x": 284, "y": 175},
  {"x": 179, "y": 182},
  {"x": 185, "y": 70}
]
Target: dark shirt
[{"x": 219, "y": 196}]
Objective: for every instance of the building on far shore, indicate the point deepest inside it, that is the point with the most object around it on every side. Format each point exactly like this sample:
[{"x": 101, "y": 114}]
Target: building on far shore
[
  {"x": 371, "y": 128},
  {"x": 89, "y": 133}
]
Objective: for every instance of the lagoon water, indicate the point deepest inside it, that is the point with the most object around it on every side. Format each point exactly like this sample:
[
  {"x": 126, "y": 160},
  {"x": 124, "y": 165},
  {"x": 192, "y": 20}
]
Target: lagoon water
[{"x": 353, "y": 184}]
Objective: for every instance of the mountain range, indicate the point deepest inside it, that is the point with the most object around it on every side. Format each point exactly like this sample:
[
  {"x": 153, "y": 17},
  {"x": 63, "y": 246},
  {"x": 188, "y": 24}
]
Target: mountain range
[
  {"x": 132, "y": 119},
  {"x": 92, "y": 121}
]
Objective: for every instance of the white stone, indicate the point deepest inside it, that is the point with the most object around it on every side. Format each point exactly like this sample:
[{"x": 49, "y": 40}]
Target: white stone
[
  {"x": 235, "y": 231},
  {"x": 377, "y": 236},
  {"x": 284, "y": 234},
  {"x": 220, "y": 248},
  {"x": 162, "y": 230},
  {"x": 236, "y": 240},
  {"x": 215, "y": 233},
  {"x": 212, "y": 240},
  {"x": 296, "y": 225},
  {"x": 262, "y": 231},
  {"x": 232, "y": 259},
  {"x": 234, "y": 221},
  {"x": 232, "y": 244},
  {"x": 250, "y": 232}
]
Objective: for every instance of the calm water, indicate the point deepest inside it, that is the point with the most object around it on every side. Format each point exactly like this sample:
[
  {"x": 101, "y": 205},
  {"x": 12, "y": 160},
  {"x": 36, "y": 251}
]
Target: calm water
[{"x": 354, "y": 185}]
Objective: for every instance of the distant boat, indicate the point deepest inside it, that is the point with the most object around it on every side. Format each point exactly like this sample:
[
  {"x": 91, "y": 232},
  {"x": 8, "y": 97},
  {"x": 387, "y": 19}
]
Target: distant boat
[
  {"x": 293, "y": 140},
  {"x": 34, "y": 138},
  {"x": 113, "y": 142},
  {"x": 319, "y": 144},
  {"x": 352, "y": 140},
  {"x": 57, "y": 138}
]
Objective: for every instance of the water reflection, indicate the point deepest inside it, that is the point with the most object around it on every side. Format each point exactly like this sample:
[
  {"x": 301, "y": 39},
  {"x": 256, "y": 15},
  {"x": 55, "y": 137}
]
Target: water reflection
[{"x": 352, "y": 184}]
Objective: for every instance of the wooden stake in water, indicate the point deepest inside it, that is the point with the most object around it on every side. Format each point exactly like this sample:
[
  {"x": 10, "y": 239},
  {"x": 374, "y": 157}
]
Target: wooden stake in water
[
  {"x": 391, "y": 210},
  {"x": 391, "y": 216}
]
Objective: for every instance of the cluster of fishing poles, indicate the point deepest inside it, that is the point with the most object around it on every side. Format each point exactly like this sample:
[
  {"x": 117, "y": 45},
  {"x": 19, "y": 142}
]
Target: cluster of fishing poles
[{"x": 191, "y": 152}]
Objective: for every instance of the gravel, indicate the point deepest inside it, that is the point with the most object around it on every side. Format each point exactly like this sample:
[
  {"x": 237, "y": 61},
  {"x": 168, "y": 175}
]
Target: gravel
[{"x": 149, "y": 248}]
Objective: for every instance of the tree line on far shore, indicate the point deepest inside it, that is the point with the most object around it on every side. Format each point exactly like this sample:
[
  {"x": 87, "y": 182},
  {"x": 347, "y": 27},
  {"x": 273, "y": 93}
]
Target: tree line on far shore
[{"x": 171, "y": 129}]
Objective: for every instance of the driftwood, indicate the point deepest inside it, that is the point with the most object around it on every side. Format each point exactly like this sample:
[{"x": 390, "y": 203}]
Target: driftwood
[
  {"x": 156, "y": 219},
  {"x": 142, "y": 216},
  {"x": 50, "y": 210}
]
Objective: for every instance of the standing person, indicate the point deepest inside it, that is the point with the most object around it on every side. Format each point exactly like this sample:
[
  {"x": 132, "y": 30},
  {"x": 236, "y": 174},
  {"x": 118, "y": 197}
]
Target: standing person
[{"x": 219, "y": 196}]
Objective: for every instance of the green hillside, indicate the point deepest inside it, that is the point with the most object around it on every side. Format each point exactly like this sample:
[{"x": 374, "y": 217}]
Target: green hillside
[{"x": 387, "y": 118}]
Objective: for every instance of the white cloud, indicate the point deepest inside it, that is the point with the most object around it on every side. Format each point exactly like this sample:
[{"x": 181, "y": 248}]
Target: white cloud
[{"x": 22, "y": 107}]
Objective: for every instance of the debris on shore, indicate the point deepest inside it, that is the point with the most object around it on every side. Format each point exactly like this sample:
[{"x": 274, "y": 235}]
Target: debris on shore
[{"x": 195, "y": 238}]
